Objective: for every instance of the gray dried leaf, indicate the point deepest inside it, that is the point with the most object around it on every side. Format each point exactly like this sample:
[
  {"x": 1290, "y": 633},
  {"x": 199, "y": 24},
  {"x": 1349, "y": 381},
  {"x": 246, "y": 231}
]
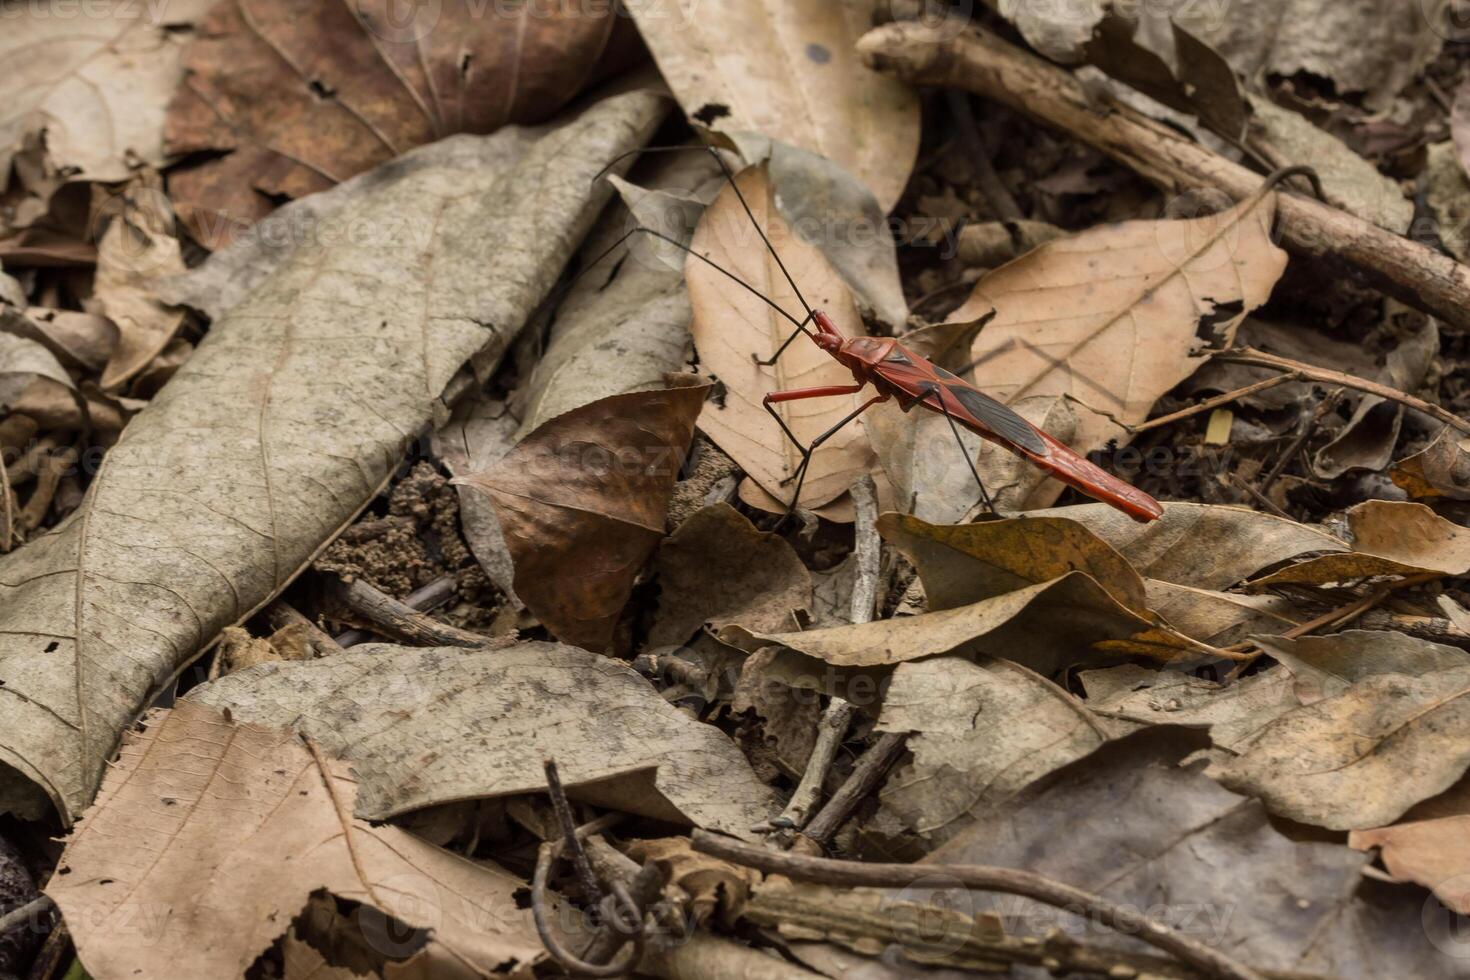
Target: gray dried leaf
[
  {"x": 1325, "y": 666},
  {"x": 979, "y": 732},
  {"x": 282, "y": 426},
  {"x": 1230, "y": 712},
  {"x": 428, "y": 726}
]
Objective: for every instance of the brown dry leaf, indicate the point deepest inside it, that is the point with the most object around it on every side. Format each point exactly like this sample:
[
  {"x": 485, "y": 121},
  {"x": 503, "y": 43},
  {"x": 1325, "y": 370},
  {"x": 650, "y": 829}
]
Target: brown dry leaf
[
  {"x": 1390, "y": 537},
  {"x": 716, "y": 890},
  {"x": 789, "y": 717},
  {"x": 1043, "y": 627},
  {"x": 583, "y": 501},
  {"x": 1361, "y": 758},
  {"x": 979, "y": 732},
  {"x": 96, "y": 83},
  {"x": 230, "y": 828},
  {"x": 1206, "y": 546},
  {"x": 788, "y": 71},
  {"x": 1220, "y": 619},
  {"x": 476, "y": 437},
  {"x": 80, "y": 340},
  {"x": 718, "y": 569},
  {"x": 965, "y": 563},
  {"x": 1326, "y": 666},
  {"x": 1430, "y": 845},
  {"x": 1117, "y": 315},
  {"x": 731, "y": 325},
  {"x": 26, "y": 364},
  {"x": 1231, "y": 712},
  {"x": 428, "y": 726},
  {"x": 288, "y": 100},
  {"x": 1130, "y": 823},
  {"x": 137, "y": 248},
  {"x": 1441, "y": 469},
  {"x": 292, "y": 413}
]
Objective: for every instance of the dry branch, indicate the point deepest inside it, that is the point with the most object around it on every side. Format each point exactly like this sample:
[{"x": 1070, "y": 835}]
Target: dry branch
[{"x": 984, "y": 64}]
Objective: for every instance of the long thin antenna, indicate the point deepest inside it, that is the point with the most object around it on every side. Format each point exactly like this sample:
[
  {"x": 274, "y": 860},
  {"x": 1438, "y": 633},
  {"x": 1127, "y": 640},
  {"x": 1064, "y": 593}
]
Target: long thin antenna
[{"x": 743, "y": 204}]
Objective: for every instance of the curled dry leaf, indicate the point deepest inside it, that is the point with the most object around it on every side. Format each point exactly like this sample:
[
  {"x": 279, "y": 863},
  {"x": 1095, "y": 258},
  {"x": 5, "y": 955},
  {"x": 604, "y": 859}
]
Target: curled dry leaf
[
  {"x": 1361, "y": 758},
  {"x": 1130, "y": 823},
  {"x": 715, "y": 889},
  {"x": 477, "y": 436},
  {"x": 583, "y": 502},
  {"x": 137, "y": 248},
  {"x": 1220, "y": 619},
  {"x": 1207, "y": 546},
  {"x": 1429, "y": 846},
  {"x": 1117, "y": 315},
  {"x": 230, "y": 828},
  {"x": 965, "y": 563},
  {"x": 732, "y": 327},
  {"x": 282, "y": 426},
  {"x": 789, "y": 71},
  {"x": 78, "y": 340},
  {"x": 1389, "y": 538},
  {"x": 429, "y": 726},
  {"x": 1326, "y": 666},
  {"x": 979, "y": 732},
  {"x": 1044, "y": 627},
  {"x": 287, "y": 100},
  {"x": 96, "y": 86},
  {"x": 1442, "y": 469},
  {"x": 718, "y": 569}
]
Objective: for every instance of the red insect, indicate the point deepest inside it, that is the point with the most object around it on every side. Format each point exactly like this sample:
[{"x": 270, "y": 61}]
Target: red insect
[{"x": 896, "y": 372}]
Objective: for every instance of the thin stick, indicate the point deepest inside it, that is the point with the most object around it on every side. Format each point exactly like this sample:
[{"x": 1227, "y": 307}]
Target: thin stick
[
  {"x": 1002, "y": 204},
  {"x": 8, "y": 541},
  {"x": 423, "y": 599},
  {"x": 282, "y": 614},
  {"x": 404, "y": 623},
  {"x": 980, "y": 62},
  {"x": 41, "y": 905},
  {"x": 1258, "y": 496},
  {"x": 571, "y": 843},
  {"x": 1209, "y": 403},
  {"x": 867, "y": 774},
  {"x": 569, "y": 960},
  {"x": 1010, "y": 881},
  {"x": 867, "y": 550},
  {"x": 1258, "y": 358}
]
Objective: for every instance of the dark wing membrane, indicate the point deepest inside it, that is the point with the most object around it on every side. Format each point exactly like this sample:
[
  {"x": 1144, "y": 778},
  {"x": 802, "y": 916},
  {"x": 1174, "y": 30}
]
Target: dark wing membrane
[{"x": 966, "y": 403}]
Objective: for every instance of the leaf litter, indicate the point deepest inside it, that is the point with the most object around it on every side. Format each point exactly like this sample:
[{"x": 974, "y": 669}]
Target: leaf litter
[{"x": 426, "y": 390}]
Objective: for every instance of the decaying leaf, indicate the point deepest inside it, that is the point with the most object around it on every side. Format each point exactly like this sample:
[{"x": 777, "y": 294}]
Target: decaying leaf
[
  {"x": 25, "y": 363},
  {"x": 81, "y": 340},
  {"x": 428, "y": 726},
  {"x": 1326, "y": 666},
  {"x": 230, "y": 828},
  {"x": 583, "y": 501},
  {"x": 978, "y": 732},
  {"x": 1389, "y": 538},
  {"x": 965, "y": 563},
  {"x": 1442, "y": 469},
  {"x": 732, "y": 326},
  {"x": 1043, "y": 627},
  {"x": 299, "y": 99},
  {"x": 1207, "y": 546},
  {"x": 137, "y": 249},
  {"x": 718, "y": 569},
  {"x": 1117, "y": 315},
  {"x": 1220, "y": 618},
  {"x": 291, "y": 414},
  {"x": 1231, "y": 712},
  {"x": 476, "y": 437},
  {"x": 789, "y": 72},
  {"x": 96, "y": 85},
  {"x": 1130, "y": 823},
  {"x": 1429, "y": 846},
  {"x": 1361, "y": 758},
  {"x": 713, "y": 889}
]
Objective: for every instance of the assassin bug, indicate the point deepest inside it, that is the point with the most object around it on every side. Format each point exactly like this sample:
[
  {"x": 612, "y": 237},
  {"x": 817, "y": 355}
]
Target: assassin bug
[{"x": 895, "y": 372}]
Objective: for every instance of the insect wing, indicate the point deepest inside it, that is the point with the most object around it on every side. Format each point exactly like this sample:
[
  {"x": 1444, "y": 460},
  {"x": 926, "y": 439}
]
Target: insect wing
[{"x": 968, "y": 405}]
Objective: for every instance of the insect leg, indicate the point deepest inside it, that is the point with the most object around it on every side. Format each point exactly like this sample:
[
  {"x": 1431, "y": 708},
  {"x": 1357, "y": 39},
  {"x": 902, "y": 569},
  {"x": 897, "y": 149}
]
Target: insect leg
[
  {"x": 806, "y": 451},
  {"x": 925, "y": 392},
  {"x": 800, "y": 329}
]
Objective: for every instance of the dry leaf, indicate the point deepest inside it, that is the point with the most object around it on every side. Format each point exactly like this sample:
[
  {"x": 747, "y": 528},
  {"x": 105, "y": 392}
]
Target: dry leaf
[
  {"x": 1429, "y": 846},
  {"x": 1117, "y": 315},
  {"x": 732, "y": 327},
  {"x": 1442, "y": 469},
  {"x": 978, "y": 732},
  {"x": 137, "y": 248},
  {"x": 476, "y": 437},
  {"x": 1207, "y": 546},
  {"x": 1360, "y": 758},
  {"x": 1220, "y": 619},
  {"x": 429, "y": 726},
  {"x": 965, "y": 563},
  {"x": 788, "y": 71},
  {"x": 1389, "y": 538},
  {"x": 1130, "y": 823},
  {"x": 718, "y": 569},
  {"x": 286, "y": 421},
  {"x": 289, "y": 100},
  {"x": 789, "y": 717},
  {"x": 1326, "y": 666},
  {"x": 1044, "y": 627},
  {"x": 80, "y": 340},
  {"x": 715, "y": 890},
  {"x": 230, "y": 828},
  {"x": 96, "y": 83},
  {"x": 25, "y": 363},
  {"x": 1230, "y": 712},
  {"x": 583, "y": 502}
]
